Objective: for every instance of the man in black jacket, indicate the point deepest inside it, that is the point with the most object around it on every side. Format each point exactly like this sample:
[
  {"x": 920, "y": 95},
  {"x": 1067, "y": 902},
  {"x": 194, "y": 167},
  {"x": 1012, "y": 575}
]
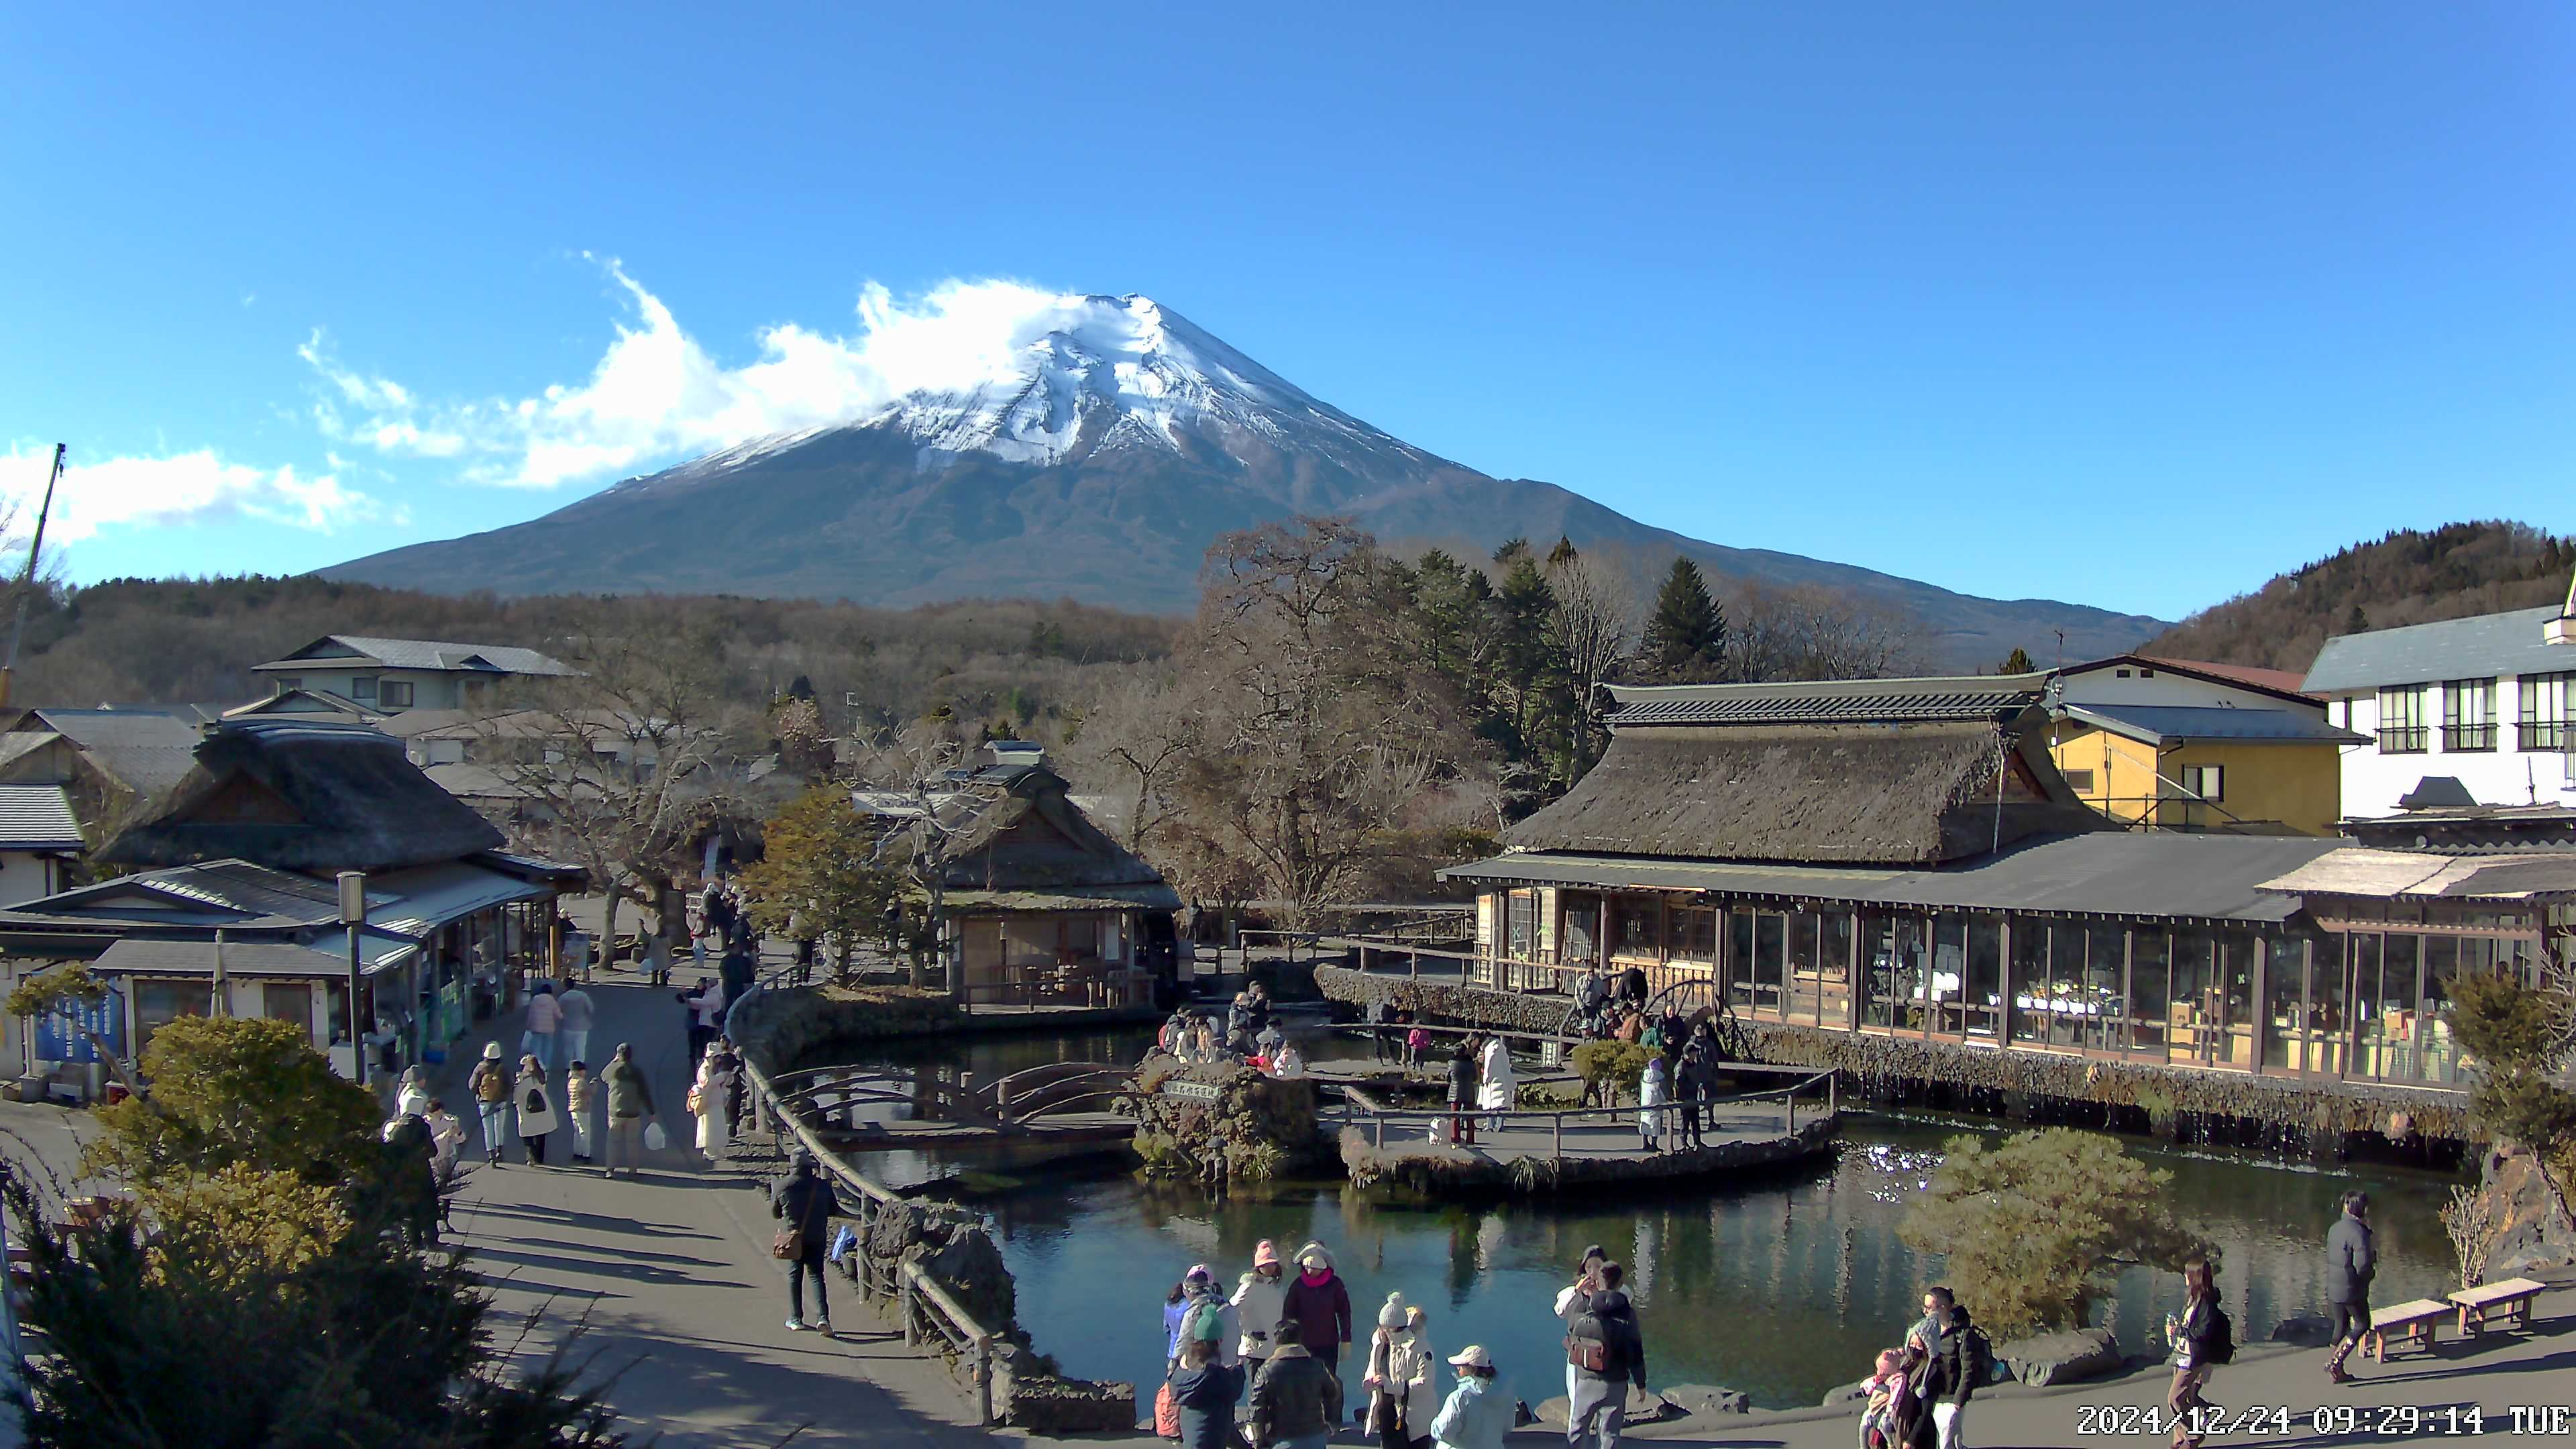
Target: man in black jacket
[
  {"x": 805, "y": 1201},
  {"x": 1608, "y": 1353},
  {"x": 2350, "y": 1262},
  {"x": 1296, "y": 1401}
]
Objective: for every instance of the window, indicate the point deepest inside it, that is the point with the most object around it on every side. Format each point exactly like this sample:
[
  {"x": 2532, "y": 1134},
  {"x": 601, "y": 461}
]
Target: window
[
  {"x": 395, "y": 694},
  {"x": 2208, "y": 782},
  {"x": 2544, "y": 711},
  {"x": 1695, "y": 935},
  {"x": 2402, "y": 730},
  {"x": 2119, "y": 674},
  {"x": 363, "y": 687},
  {"x": 2080, "y": 781},
  {"x": 2468, "y": 715},
  {"x": 1635, "y": 929},
  {"x": 2146, "y": 674},
  {"x": 1520, "y": 915}
]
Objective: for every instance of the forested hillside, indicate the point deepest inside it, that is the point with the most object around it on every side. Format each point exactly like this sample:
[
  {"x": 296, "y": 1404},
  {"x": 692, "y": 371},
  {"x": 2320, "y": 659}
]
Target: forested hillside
[
  {"x": 2409, "y": 577},
  {"x": 165, "y": 641}
]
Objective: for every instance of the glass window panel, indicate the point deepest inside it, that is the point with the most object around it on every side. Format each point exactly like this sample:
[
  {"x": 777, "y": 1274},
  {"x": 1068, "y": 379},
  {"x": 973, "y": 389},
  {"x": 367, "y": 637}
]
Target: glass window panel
[
  {"x": 1520, "y": 911},
  {"x": 2434, "y": 1059},
  {"x": 2284, "y": 999},
  {"x": 1637, "y": 928},
  {"x": 1695, "y": 935},
  {"x": 2468, "y": 715},
  {"x": 1739, "y": 957},
  {"x": 1833, "y": 968},
  {"x": 1985, "y": 976},
  {"x": 1803, "y": 985},
  {"x": 2541, "y": 711},
  {"x": 1582, "y": 934},
  {"x": 2098, "y": 1004},
  {"x": 2402, "y": 726},
  {"x": 2151, "y": 1013},
  {"x": 2029, "y": 1020},
  {"x": 1948, "y": 977},
  {"x": 1769, "y": 937}
]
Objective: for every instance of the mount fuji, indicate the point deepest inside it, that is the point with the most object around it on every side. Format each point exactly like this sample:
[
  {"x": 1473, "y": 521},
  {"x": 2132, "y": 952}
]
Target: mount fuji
[{"x": 1096, "y": 462}]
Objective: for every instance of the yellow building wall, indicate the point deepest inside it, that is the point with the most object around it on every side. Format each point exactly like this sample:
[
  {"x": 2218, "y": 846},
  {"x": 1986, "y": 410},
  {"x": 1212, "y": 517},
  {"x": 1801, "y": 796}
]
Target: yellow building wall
[{"x": 2300, "y": 785}]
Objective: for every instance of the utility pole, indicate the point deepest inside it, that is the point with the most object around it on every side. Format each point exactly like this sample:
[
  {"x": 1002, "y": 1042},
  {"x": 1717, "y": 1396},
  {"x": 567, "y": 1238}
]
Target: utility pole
[
  {"x": 27, "y": 581},
  {"x": 353, "y": 914}
]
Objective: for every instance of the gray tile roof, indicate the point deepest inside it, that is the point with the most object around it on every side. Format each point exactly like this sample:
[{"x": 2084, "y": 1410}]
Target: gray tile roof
[
  {"x": 2109, "y": 873},
  {"x": 2488, "y": 645},
  {"x": 1827, "y": 701},
  {"x": 423, "y": 654},
  {"x": 146, "y": 749},
  {"x": 37, "y": 817},
  {"x": 2157, "y": 722}
]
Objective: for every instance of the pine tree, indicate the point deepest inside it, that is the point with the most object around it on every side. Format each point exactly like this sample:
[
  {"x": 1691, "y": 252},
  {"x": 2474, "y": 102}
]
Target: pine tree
[
  {"x": 1685, "y": 638},
  {"x": 2356, "y": 622},
  {"x": 2017, "y": 662}
]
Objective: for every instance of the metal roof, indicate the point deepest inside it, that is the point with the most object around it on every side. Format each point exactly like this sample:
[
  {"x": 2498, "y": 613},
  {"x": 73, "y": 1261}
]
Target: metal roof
[
  {"x": 2393, "y": 874},
  {"x": 2157, "y": 723},
  {"x": 37, "y": 817},
  {"x": 1830, "y": 701},
  {"x": 2475, "y": 648},
  {"x": 420, "y": 654},
  {"x": 147, "y": 750},
  {"x": 2110, "y": 873},
  {"x": 428, "y": 897},
  {"x": 137, "y": 956}
]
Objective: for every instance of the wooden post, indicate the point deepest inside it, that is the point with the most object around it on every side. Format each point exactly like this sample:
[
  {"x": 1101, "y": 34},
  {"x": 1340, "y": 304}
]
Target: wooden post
[
  {"x": 984, "y": 1379},
  {"x": 1377, "y": 1126},
  {"x": 1833, "y": 1095},
  {"x": 1789, "y": 1112},
  {"x": 1556, "y": 1135},
  {"x": 906, "y": 1309}
]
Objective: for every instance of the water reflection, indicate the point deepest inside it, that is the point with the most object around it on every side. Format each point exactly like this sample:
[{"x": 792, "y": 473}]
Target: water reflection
[{"x": 1783, "y": 1286}]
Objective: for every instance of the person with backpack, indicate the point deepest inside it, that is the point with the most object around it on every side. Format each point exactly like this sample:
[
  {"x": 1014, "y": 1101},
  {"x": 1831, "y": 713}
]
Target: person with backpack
[
  {"x": 2203, "y": 1338},
  {"x": 1607, "y": 1353},
  {"x": 2352, "y": 1259},
  {"x": 490, "y": 1084},
  {"x": 630, "y": 1111},
  {"x": 1205, "y": 1388},
  {"x": 1575, "y": 1299},
  {"x": 1377, "y": 1028},
  {"x": 1953, "y": 1361},
  {"x": 1462, "y": 1094}
]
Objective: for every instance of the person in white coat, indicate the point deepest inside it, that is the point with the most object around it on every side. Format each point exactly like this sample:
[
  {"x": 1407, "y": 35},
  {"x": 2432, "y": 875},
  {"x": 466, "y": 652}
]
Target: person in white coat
[
  {"x": 1259, "y": 1300},
  {"x": 1653, "y": 1091},
  {"x": 708, "y": 1100},
  {"x": 1404, "y": 1395},
  {"x": 1496, "y": 1092}
]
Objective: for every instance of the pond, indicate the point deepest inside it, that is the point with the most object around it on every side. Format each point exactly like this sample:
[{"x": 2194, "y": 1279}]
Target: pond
[{"x": 1783, "y": 1287}]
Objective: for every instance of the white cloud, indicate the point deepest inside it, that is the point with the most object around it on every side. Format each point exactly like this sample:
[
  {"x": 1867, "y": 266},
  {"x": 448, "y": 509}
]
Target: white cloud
[
  {"x": 180, "y": 488},
  {"x": 657, "y": 394}
]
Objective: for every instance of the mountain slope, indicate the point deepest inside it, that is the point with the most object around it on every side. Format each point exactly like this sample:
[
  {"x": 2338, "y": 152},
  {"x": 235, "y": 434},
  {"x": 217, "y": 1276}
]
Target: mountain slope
[
  {"x": 1097, "y": 464},
  {"x": 2410, "y": 576}
]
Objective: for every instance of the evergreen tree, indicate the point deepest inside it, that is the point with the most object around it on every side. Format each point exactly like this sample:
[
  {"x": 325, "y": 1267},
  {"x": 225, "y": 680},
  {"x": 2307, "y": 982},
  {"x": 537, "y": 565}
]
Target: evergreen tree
[
  {"x": 1685, "y": 637},
  {"x": 2356, "y": 622},
  {"x": 2017, "y": 662},
  {"x": 1523, "y": 608}
]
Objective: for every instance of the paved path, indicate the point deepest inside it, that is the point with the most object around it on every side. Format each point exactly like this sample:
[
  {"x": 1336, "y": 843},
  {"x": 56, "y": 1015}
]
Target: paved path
[{"x": 669, "y": 1279}]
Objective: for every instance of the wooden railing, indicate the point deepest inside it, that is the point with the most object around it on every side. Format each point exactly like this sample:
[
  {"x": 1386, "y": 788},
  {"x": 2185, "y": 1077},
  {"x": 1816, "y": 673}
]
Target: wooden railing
[
  {"x": 921, "y": 1303},
  {"x": 1379, "y": 1115}
]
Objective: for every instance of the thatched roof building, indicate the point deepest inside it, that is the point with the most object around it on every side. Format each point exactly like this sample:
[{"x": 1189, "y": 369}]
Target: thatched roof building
[
  {"x": 1860, "y": 772},
  {"x": 303, "y": 795}
]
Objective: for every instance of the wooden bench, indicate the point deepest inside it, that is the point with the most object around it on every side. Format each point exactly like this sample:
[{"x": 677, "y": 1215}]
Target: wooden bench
[
  {"x": 2509, "y": 1300},
  {"x": 2411, "y": 1323}
]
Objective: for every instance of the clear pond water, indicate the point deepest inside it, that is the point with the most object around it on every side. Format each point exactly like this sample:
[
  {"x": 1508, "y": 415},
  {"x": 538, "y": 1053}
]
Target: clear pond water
[{"x": 1783, "y": 1287}]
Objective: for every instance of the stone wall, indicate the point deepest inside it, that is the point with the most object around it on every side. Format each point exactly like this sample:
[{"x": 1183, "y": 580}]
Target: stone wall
[
  {"x": 777, "y": 1026},
  {"x": 2536, "y": 1232},
  {"x": 1443, "y": 1000}
]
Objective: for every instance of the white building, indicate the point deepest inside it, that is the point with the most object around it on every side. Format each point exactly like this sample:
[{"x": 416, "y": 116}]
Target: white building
[
  {"x": 388, "y": 676},
  {"x": 2483, "y": 701}
]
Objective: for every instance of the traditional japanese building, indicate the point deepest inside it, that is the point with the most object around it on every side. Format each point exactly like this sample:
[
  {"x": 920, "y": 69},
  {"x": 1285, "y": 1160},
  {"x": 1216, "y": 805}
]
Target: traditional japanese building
[{"x": 1901, "y": 859}]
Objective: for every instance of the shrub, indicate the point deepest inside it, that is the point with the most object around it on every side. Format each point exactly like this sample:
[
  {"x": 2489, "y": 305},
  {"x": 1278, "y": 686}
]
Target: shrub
[
  {"x": 2034, "y": 1228},
  {"x": 1621, "y": 1064}
]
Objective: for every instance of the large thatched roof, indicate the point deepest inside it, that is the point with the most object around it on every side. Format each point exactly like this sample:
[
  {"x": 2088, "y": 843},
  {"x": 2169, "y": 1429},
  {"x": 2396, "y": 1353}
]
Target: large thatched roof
[
  {"x": 304, "y": 795},
  {"x": 1917, "y": 791},
  {"x": 1016, "y": 841}
]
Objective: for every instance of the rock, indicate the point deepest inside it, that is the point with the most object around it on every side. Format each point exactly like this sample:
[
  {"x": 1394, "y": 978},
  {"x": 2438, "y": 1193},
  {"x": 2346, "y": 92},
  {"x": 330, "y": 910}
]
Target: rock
[
  {"x": 1645, "y": 1406},
  {"x": 2532, "y": 1232},
  {"x": 1027, "y": 1396},
  {"x": 1706, "y": 1400},
  {"x": 2308, "y": 1330},
  {"x": 1854, "y": 1392},
  {"x": 2061, "y": 1358},
  {"x": 971, "y": 1268}
]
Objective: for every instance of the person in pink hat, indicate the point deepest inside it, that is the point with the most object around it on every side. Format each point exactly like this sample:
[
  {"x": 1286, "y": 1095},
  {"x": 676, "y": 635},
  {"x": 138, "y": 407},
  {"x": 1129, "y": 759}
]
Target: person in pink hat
[{"x": 1260, "y": 1300}]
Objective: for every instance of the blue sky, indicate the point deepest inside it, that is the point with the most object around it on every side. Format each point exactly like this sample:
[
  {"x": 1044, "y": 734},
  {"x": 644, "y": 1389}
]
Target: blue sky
[{"x": 2134, "y": 307}]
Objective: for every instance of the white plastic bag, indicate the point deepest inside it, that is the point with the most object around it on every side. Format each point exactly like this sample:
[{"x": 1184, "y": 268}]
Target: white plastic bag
[{"x": 654, "y": 1138}]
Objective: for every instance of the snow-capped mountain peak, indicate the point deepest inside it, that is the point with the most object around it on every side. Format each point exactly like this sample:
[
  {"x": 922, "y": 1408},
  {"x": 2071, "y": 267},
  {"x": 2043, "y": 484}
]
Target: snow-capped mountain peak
[{"x": 1113, "y": 372}]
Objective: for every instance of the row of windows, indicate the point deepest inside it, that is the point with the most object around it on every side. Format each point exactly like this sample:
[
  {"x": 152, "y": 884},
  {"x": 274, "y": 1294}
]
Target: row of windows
[
  {"x": 2203, "y": 782},
  {"x": 366, "y": 689},
  {"x": 2469, "y": 718}
]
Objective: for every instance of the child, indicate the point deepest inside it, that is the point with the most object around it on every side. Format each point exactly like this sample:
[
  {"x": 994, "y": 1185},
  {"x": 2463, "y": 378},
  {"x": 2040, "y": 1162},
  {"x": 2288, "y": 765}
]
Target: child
[
  {"x": 1417, "y": 1047},
  {"x": 577, "y": 1092},
  {"x": 1881, "y": 1422}
]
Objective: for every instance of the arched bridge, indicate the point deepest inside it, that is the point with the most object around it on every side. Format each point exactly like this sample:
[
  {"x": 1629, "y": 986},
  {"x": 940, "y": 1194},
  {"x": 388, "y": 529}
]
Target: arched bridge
[{"x": 861, "y": 1107}]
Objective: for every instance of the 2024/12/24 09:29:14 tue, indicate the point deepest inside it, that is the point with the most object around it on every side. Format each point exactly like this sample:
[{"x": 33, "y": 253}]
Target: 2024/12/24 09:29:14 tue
[{"x": 2397, "y": 1421}]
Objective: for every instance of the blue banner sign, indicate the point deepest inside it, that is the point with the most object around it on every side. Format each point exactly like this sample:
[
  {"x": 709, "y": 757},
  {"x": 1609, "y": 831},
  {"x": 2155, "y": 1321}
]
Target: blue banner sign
[{"x": 60, "y": 1036}]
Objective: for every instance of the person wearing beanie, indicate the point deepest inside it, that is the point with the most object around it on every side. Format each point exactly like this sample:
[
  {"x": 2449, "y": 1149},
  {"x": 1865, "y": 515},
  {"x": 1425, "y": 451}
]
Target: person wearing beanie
[
  {"x": 490, "y": 1084},
  {"x": 1260, "y": 1299},
  {"x": 1205, "y": 1313},
  {"x": 1321, "y": 1304},
  {"x": 1404, "y": 1396}
]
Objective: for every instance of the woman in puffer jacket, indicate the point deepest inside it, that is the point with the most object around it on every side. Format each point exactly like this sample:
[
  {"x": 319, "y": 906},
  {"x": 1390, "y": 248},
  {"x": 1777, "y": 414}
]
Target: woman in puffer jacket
[{"x": 1404, "y": 1394}]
